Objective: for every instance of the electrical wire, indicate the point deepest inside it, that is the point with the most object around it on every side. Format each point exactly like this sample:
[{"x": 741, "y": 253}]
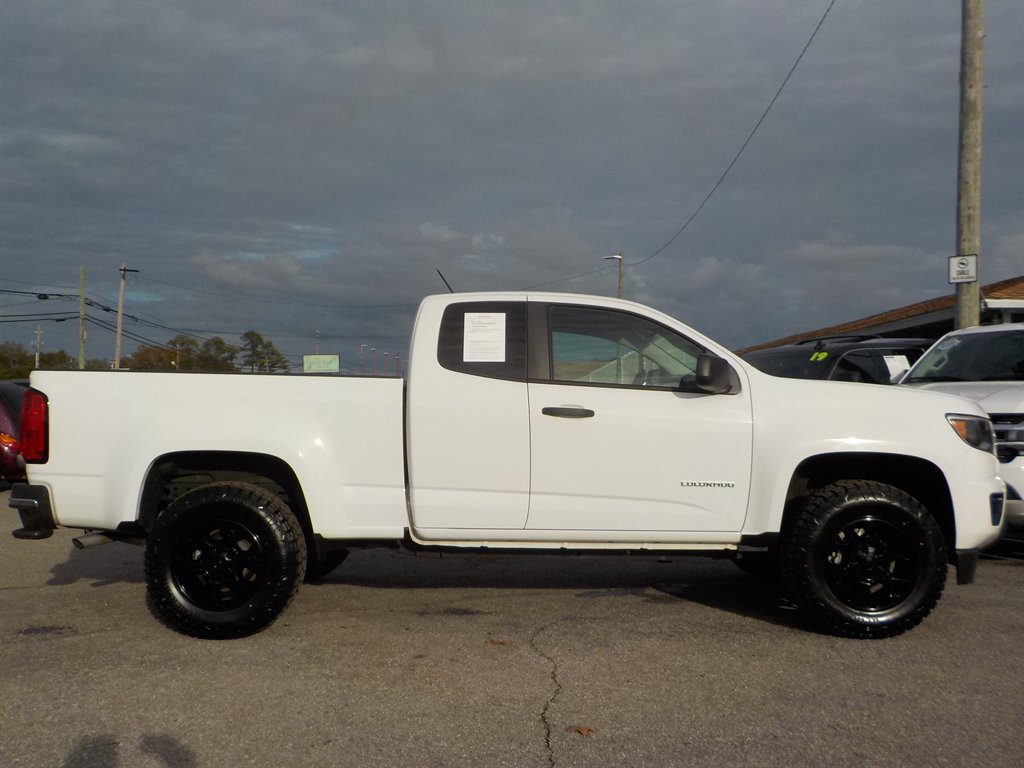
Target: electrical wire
[
  {"x": 743, "y": 146},
  {"x": 284, "y": 302},
  {"x": 725, "y": 173}
]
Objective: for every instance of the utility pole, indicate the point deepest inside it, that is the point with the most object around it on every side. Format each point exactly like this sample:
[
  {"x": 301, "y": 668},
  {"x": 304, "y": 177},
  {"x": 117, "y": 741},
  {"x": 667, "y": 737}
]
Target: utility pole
[
  {"x": 622, "y": 273},
  {"x": 120, "y": 315},
  {"x": 968, "y": 193},
  {"x": 39, "y": 337},
  {"x": 81, "y": 318}
]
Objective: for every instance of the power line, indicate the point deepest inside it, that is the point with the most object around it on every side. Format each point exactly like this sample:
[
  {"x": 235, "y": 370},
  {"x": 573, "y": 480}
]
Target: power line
[
  {"x": 128, "y": 334},
  {"x": 696, "y": 212},
  {"x": 725, "y": 173},
  {"x": 566, "y": 279},
  {"x": 27, "y": 318},
  {"x": 743, "y": 146}
]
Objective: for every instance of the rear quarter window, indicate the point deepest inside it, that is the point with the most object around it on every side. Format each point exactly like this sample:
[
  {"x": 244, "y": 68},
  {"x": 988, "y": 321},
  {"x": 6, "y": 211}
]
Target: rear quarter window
[{"x": 484, "y": 338}]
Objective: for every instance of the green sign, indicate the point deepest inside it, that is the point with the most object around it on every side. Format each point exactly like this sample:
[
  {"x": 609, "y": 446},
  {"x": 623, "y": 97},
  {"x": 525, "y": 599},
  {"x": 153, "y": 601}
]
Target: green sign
[{"x": 321, "y": 363}]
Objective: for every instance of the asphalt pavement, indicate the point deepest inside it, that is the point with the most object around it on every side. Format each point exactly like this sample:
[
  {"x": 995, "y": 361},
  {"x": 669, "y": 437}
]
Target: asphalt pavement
[{"x": 397, "y": 660}]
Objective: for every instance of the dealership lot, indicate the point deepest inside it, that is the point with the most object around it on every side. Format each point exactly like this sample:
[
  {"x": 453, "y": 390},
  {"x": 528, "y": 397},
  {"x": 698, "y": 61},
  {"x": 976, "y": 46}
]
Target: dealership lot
[{"x": 518, "y": 661}]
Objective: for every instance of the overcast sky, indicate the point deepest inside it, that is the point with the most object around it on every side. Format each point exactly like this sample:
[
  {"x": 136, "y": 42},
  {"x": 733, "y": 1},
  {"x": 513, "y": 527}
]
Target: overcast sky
[{"x": 300, "y": 167}]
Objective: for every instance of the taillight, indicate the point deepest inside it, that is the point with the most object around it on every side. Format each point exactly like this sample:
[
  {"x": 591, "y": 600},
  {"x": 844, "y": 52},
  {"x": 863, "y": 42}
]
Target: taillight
[{"x": 34, "y": 427}]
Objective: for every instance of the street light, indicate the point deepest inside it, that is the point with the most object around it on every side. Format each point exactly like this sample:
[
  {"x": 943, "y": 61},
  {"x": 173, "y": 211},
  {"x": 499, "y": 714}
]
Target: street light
[{"x": 622, "y": 272}]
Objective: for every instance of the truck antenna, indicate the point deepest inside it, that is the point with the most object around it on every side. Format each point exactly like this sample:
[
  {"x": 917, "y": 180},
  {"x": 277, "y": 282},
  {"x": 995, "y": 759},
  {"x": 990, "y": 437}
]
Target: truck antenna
[{"x": 450, "y": 289}]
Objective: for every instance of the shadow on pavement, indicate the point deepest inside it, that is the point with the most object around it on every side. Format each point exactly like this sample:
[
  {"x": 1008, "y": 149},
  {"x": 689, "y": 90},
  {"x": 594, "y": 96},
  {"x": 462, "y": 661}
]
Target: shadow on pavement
[
  {"x": 108, "y": 564},
  {"x": 712, "y": 582}
]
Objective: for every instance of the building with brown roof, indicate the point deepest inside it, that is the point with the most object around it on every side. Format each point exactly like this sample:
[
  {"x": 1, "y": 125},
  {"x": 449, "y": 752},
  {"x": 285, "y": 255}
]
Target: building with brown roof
[{"x": 1001, "y": 302}]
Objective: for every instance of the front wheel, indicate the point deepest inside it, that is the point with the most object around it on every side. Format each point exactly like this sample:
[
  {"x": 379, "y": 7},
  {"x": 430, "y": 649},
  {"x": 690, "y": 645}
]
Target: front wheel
[
  {"x": 224, "y": 560},
  {"x": 864, "y": 559}
]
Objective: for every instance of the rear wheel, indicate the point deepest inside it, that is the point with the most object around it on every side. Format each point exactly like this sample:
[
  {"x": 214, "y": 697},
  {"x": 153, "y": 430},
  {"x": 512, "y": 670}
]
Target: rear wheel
[
  {"x": 864, "y": 559},
  {"x": 224, "y": 560}
]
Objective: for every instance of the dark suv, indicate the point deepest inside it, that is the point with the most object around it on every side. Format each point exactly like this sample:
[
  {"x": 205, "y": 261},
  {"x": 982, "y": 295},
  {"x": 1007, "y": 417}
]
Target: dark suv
[{"x": 871, "y": 359}]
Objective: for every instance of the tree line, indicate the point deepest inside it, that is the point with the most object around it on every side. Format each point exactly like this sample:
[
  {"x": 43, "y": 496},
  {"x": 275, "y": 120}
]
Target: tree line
[{"x": 182, "y": 353}]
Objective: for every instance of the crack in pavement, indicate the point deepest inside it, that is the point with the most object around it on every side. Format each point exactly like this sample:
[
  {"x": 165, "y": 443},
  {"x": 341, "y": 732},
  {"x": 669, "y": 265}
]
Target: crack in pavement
[{"x": 555, "y": 694}]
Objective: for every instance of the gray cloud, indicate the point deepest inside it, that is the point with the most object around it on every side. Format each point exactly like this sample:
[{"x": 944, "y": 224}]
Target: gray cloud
[{"x": 307, "y": 166}]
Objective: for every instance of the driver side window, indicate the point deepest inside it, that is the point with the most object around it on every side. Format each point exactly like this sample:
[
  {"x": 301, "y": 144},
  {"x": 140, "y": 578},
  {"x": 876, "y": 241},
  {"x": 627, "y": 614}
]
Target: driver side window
[{"x": 612, "y": 348}]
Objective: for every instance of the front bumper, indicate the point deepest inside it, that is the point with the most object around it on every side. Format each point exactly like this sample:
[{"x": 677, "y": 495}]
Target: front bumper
[
  {"x": 1014, "y": 510},
  {"x": 1012, "y": 473},
  {"x": 33, "y": 505}
]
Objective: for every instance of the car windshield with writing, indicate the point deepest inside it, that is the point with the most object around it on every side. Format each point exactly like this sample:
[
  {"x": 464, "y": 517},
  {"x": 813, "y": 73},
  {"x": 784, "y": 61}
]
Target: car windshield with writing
[{"x": 871, "y": 360}]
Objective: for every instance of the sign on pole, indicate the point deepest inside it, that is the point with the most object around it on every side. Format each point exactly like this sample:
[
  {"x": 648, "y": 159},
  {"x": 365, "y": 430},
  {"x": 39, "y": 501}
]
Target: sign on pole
[{"x": 963, "y": 269}]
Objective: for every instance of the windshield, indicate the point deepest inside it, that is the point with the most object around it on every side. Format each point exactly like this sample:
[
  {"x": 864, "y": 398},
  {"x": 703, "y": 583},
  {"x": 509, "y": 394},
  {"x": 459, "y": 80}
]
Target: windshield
[
  {"x": 989, "y": 356},
  {"x": 803, "y": 363}
]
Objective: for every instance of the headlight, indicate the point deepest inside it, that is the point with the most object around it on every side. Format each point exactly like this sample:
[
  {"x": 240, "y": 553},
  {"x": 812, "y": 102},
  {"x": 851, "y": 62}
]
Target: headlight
[{"x": 973, "y": 430}]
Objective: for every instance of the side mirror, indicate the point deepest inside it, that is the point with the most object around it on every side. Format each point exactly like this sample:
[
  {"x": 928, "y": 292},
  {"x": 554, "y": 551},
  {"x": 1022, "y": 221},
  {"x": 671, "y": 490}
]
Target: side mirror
[{"x": 716, "y": 376}]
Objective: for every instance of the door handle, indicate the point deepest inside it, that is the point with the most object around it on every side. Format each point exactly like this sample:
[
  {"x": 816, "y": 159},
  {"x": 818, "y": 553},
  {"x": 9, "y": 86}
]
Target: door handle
[{"x": 568, "y": 412}]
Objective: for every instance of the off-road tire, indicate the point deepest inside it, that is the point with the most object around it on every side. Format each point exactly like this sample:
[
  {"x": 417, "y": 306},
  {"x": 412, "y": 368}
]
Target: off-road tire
[
  {"x": 224, "y": 560},
  {"x": 863, "y": 559}
]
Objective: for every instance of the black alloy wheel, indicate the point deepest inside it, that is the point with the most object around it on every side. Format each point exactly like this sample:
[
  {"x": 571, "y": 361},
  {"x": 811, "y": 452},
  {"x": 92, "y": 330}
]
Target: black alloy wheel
[{"x": 872, "y": 563}]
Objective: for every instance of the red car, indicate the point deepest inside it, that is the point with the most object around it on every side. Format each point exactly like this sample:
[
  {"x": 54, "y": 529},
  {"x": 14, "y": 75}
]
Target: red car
[{"x": 12, "y": 470}]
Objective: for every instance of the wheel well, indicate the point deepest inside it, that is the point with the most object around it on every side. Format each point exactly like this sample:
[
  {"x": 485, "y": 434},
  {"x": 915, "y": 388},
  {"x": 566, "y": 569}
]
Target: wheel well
[
  {"x": 178, "y": 473},
  {"x": 917, "y": 477}
]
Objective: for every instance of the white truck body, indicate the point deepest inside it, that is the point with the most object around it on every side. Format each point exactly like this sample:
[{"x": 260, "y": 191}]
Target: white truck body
[{"x": 474, "y": 450}]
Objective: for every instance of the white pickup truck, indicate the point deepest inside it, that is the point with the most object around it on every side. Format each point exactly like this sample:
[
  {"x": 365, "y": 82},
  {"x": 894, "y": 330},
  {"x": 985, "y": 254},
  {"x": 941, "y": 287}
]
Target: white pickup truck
[{"x": 527, "y": 422}]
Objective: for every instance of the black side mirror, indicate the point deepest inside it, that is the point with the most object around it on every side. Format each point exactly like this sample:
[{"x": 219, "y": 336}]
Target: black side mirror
[{"x": 715, "y": 375}]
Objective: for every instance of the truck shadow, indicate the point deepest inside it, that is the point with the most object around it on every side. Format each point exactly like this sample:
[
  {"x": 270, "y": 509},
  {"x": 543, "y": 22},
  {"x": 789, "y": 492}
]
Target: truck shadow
[
  {"x": 714, "y": 580},
  {"x": 101, "y": 566},
  {"x": 714, "y": 583}
]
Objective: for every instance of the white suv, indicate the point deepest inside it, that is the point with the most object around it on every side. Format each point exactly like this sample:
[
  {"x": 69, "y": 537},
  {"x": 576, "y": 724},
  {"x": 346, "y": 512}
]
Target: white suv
[{"x": 985, "y": 364}]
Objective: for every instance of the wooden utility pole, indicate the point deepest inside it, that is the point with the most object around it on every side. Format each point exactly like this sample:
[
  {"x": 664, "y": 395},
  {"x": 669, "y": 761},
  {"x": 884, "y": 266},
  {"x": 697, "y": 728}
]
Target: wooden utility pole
[
  {"x": 81, "y": 318},
  {"x": 968, "y": 194},
  {"x": 120, "y": 316},
  {"x": 622, "y": 272}
]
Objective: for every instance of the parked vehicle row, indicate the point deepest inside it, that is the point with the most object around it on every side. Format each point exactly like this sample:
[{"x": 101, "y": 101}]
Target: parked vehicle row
[{"x": 868, "y": 359}]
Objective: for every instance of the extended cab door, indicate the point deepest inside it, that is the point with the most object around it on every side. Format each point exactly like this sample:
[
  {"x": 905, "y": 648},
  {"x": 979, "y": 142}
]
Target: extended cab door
[
  {"x": 622, "y": 439},
  {"x": 467, "y": 418}
]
